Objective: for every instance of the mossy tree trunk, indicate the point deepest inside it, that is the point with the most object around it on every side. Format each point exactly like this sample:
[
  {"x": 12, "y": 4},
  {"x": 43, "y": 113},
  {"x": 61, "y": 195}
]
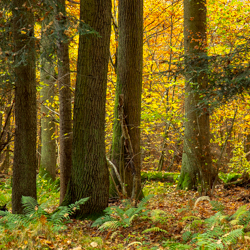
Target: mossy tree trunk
[
  {"x": 89, "y": 175},
  {"x": 129, "y": 71},
  {"x": 24, "y": 166},
  {"x": 64, "y": 99},
  {"x": 117, "y": 150},
  {"x": 196, "y": 160},
  {"x": 47, "y": 93}
]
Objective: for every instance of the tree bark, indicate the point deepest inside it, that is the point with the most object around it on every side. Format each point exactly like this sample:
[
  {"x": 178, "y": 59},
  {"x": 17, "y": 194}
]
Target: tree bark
[
  {"x": 89, "y": 175},
  {"x": 196, "y": 160},
  {"x": 24, "y": 166},
  {"x": 48, "y": 147},
  {"x": 129, "y": 71},
  {"x": 65, "y": 100}
]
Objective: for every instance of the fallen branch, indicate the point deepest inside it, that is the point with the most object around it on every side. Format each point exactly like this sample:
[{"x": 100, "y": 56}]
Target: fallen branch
[{"x": 124, "y": 192}]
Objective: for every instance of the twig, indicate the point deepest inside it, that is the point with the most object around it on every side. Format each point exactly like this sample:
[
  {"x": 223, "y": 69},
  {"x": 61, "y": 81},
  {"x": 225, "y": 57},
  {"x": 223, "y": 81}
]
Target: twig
[{"x": 124, "y": 192}]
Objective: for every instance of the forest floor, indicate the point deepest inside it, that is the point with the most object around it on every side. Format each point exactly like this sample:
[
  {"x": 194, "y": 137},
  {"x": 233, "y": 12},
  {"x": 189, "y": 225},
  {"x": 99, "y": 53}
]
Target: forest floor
[{"x": 170, "y": 215}]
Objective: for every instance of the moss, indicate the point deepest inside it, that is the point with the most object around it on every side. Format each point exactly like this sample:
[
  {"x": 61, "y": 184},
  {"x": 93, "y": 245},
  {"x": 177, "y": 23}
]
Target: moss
[{"x": 185, "y": 182}]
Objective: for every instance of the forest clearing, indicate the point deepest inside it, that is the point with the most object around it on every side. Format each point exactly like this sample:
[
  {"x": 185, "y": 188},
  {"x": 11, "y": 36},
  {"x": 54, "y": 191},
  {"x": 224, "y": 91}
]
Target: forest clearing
[{"x": 124, "y": 124}]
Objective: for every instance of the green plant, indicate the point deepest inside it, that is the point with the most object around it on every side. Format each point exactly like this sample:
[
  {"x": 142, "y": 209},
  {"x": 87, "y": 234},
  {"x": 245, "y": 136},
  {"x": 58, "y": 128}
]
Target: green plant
[
  {"x": 34, "y": 213},
  {"x": 48, "y": 191},
  {"x": 239, "y": 162},
  {"x": 116, "y": 217},
  {"x": 228, "y": 177},
  {"x": 154, "y": 229}
]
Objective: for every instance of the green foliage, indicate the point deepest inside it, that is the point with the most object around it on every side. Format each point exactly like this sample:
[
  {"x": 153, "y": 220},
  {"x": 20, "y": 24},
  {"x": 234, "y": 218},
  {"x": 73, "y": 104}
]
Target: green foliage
[
  {"x": 154, "y": 229},
  {"x": 5, "y": 196},
  {"x": 117, "y": 217},
  {"x": 175, "y": 245},
  {"x": 239, "y": 162},
  {"x": 157, "y": 175},
  {"x": 220, "y": 231},
  {"x": 228, "y": 177},
  {"x": 48, "y": 192},
  {"x": 34, "y": 213},
  {"x": 217, "y": 205}
]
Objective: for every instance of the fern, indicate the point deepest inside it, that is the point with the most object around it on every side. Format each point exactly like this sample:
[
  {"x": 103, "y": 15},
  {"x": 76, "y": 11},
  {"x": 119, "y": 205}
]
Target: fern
[
  {"x": 101, "y": 220},
  {"x": 154, "y": 229},
  {"x": 187, "y": 236},
  {"x": 217, "y": 206},
  {"x": 30, "y": 205},
  {"x": 110, "y": 225},
  {"x": 175, "y": 245},
  {"x": 116, "y": 217},
  {"x": 33, "y": 214}
]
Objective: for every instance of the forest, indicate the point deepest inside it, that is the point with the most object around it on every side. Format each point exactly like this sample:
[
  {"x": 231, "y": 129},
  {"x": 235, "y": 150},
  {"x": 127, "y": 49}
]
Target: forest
[{"x": 124, "y": 124}]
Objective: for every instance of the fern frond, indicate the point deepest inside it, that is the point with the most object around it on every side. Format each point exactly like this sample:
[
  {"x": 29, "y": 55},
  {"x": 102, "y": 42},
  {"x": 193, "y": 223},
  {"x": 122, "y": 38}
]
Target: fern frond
[
  {"x": 132, "y": 218},
  {"x": 240, "y": 211},
  {"x": 244, "y": 218},
  {"x": 75, "y": 206},
  {"x": 30, "y": 205},
  {"x": 233, "y": 236},
  {"x": 145, "y": 200},
  {"x": 130, "y": 212},
  {"x": 109, "y": 225},
  {"x": 118, "y": 211},
  {"x": 217, "y": 206},
  {"x": 12, "y": 221},
  {"x": 191, "y": 217},
  {"x": 187, "y": 236},
  {"x": 101, "y": 220},
  {"x": 60, "y": 214},
  {"x": 154, "y": 229}
]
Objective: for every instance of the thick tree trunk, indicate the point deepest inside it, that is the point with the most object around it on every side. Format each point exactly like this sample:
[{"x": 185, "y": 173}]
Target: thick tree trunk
[
  {"x": 89, "y": 175},
  {"x": 48, "y": 147},
  {"x": 196, "y": 162},
  {"x": 24, "y": 167},
  {"x": 65, "y": 101},
  {"x": 130, "y": 55}
]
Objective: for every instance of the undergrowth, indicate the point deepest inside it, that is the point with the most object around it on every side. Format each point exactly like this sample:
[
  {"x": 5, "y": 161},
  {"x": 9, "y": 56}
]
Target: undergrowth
[
  {"x": 36, "y": 221},
  {"x": 147, "y": 226}
]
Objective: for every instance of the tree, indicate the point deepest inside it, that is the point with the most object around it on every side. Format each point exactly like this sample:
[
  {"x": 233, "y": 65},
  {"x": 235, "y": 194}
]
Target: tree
[
  {"x": 48, "y": 148},
  {"x": 129, "y": 83},
  {"x": 196, "y": 160},
  {"x": 24, "y": 166},
  {"x": 89, "y": 175},
  {"x": 64, "y": 99}
]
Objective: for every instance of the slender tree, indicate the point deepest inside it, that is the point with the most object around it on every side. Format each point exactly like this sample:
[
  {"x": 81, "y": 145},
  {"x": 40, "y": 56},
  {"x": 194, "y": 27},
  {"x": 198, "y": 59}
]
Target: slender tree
[
  {"x": 48, "y": 147},
  {"x": 196, "y": 160},
  {"x": 24, "y": 166},
  {"x": 129, "y": 83},
  {"x": 89, "y": 175},
  {"x": 64, "y": 99}
]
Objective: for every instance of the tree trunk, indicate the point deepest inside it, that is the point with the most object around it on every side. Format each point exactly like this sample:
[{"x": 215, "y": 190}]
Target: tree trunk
[
  {"x": 24, "y": 167},
  {"x": 247, "y": 147},
  {"x": 48, "y": 147},
  {"x": 196, "y": 160},
  {"x": 65, "y": 101},
  {"x": 130, "y": 55},
  {"x": 117, "y": 156},
  {"x": 89, "y": 175},
  {"x": 6, "y": 136}
]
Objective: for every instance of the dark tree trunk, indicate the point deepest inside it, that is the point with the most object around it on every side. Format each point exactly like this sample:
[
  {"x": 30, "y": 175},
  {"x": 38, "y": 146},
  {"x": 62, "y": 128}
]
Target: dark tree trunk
[
  {"x": 129, "y": 71},
  {"x": 47, "y": 93},
  {"x": 65, "y": 101},
  {"x": 89, "y": 175},
  {"x": 196, "y": 160},
  {"x": 24, "y": 167}
]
